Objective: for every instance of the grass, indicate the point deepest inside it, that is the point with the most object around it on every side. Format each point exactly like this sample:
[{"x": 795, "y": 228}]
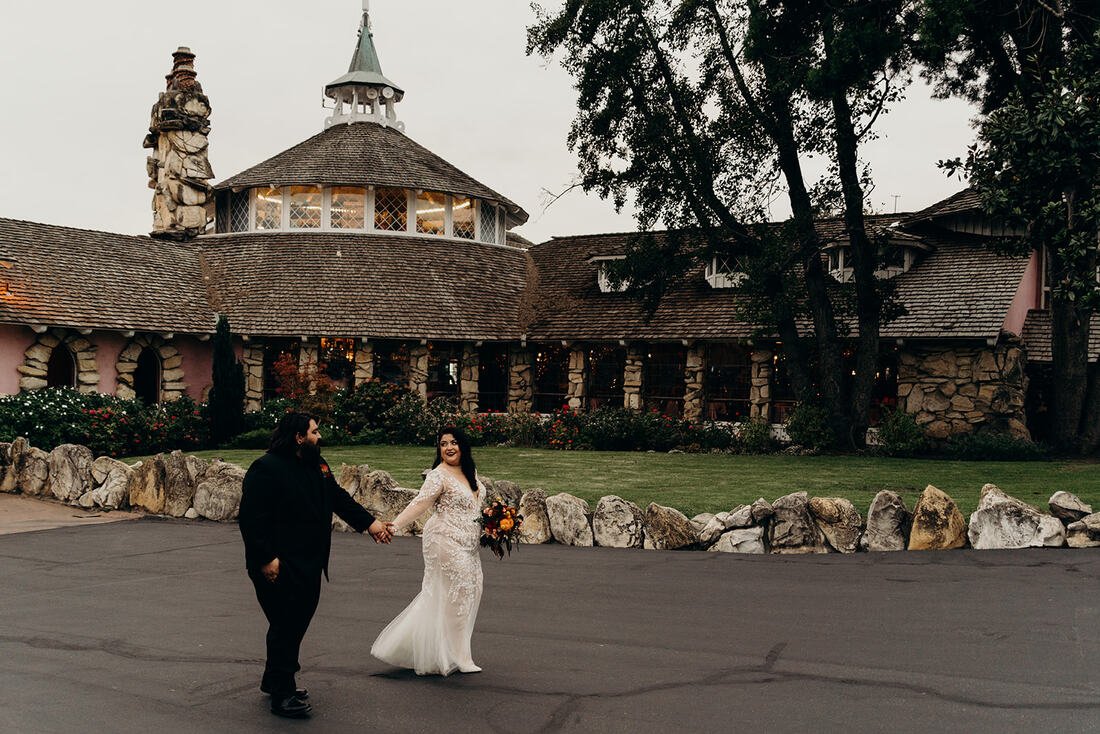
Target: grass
[{"x": 695, "y": 483}]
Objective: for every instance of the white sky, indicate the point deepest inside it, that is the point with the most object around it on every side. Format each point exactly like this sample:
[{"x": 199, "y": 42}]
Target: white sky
[{"x": 79, "y": 78}]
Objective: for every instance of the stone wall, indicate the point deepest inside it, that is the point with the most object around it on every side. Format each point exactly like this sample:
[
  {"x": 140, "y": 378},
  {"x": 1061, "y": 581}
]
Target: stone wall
[
  {"x": 37, "y": 356},
  {"x": 469, "y": 374},
  {"x": 418, "y": 370},
  {"x": 172, "y": 383},
  {"x": 956, "y": 391},
  {"x": 578, "y": 378},
  {"x": 760, "y": 391},
  {"x": 520, "y": 388},
  {"x": 364, "y": 363},
  {"x": 632, "y": 377},
  {"x": 179, "y": 170},
  {"x": 252, "y": 360},
  {"x": 694, "y": 375}
]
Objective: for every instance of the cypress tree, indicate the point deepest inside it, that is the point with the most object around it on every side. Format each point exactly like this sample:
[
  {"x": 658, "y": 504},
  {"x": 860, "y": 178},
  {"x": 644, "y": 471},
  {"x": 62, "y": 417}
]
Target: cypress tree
[{"x": 227, "y": 388}]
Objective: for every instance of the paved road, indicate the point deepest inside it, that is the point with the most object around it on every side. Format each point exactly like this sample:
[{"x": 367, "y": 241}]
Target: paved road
[{"x": 151, "y": 626}]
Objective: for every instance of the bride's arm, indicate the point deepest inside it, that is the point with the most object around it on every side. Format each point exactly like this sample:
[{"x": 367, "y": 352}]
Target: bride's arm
[{"x": 433, "y": 485}]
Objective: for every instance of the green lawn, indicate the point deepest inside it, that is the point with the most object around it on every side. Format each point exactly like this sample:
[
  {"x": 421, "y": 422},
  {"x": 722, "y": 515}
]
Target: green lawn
[{"x": 696, "y": 483}]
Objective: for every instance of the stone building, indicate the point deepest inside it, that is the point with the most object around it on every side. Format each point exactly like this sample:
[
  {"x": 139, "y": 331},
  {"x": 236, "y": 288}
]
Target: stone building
[{"x": 360, "y": 249}]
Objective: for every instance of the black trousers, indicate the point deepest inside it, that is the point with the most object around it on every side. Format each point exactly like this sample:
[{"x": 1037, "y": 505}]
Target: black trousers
[{"x": 288, "y": 603}]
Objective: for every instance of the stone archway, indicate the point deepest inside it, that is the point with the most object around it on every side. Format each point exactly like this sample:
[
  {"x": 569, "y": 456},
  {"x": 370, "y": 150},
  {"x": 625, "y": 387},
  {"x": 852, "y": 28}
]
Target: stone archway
[
  {"x": 172, "y": 385},
  {"x": 36, "y": 360}
]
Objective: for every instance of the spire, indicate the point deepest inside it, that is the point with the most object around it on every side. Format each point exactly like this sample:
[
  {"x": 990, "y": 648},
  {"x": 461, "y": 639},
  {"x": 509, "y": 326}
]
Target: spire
[{"x": 364, "y": 93}]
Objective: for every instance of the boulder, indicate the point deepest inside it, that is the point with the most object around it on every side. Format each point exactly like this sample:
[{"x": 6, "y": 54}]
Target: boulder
[
  {"x": 536, "y": 520},
  {"x": 147, "y": 488},
  {"x": 888, "y": 522},
  {"x": 617, "y": 523},
  {"x": 1068, "y": 507},
  {"x": 70, "y": 472},
  {"x": 1005, "y": 522},
  {"x": 111, "y": 479},
  {"x": 218, "y": 494},
  {"x": 507, "y": 491},
  {"x": 379, "y": 493},
  {"x": 1084, "y": 533},
  {"x": 762, "y": 511},
  {"x": 793, "y": 529},
  {"x": 569, "y": 519},
  {"x": 738, "y": 517},
  {"x": 839, "y": 522},
  {"x": 667, "y": 528},
  {"x": 179, "y": 483},
  {"x": 6, "y": 467},
  {"x": 740, "y": 540},
  {"x": 700, "y": 521},
  {"x": 192, "y": 514},
  {"x": 32, "y": 469},
  {"x": 937, "y": 522},
  {"x": 350, "y": 478}
]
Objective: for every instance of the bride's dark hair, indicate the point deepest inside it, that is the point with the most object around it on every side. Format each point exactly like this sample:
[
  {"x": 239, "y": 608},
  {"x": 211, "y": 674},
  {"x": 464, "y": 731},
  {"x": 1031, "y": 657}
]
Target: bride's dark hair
[{"x": 466, "y": 460}]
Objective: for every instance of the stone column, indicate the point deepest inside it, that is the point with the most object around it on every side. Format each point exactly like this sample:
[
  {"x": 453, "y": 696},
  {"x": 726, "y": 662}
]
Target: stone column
[
  {"x": 309, "y": 356},
  {"x": 252, "y": 359},
  {"x": 364, "y": 363},
  {"x": 520, "y": 390},
  {"x": 179, "y": 168},
  {"x": 469, "y": 374},
  {"x": 632, "y": 377},
  {"x": 578, "y": 378},
  {"x": 760, "y": 390},
  {"x": 694, "y": 371},
  {"x": 418, "y": 370},
  {"x": 172, "y": 384}
]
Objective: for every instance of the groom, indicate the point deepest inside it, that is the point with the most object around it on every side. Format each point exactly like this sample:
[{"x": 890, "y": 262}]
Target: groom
[{"x": 286, "y": 522}]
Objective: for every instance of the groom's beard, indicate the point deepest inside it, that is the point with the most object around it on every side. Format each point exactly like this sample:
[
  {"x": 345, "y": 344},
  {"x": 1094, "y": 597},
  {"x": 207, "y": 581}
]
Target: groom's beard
[{"x": 310, "y": 453}]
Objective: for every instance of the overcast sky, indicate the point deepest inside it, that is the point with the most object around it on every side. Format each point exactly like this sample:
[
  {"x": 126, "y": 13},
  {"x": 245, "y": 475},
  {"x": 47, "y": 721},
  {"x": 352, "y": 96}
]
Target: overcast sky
[{"x": 78, "y": 80}]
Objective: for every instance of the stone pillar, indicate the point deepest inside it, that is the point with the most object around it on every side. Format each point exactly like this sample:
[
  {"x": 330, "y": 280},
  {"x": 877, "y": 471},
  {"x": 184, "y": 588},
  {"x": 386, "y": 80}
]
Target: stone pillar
[
  {"x": 578, "y": 378},
  {"x": 309, "y": 356},
  {"x": 694, "y": 372},
  {"x": 179, "y": 169},
  {"x": 364, "y": 363},
  {"x": 252, "y": 359},
  {"x": 469, "y": 374},
  {"x": 520, "y": 389},
  {"x": 632, "y": 378},
  {"x": 418, "y": 370},
  {"x": 760, "y": 390}
]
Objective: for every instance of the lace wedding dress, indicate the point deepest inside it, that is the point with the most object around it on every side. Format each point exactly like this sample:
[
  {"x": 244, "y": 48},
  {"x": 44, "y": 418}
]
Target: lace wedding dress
[{"x": 432, "y": 634}]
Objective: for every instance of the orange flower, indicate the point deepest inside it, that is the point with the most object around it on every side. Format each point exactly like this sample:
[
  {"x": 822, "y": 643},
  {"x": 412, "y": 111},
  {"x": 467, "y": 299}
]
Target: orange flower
[{"x": 506, "y": 524}]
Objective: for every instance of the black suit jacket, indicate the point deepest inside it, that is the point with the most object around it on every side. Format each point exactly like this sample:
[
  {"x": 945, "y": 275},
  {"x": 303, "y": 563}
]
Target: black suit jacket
[{"x": 286, "y": 513}]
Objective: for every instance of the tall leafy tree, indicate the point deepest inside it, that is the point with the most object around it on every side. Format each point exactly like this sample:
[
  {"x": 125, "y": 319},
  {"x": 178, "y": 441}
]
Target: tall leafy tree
[
  {"x": 1031, "y": 66},
  {"x": 700, "y": 110},
  {"x": 226, "y": 401}
]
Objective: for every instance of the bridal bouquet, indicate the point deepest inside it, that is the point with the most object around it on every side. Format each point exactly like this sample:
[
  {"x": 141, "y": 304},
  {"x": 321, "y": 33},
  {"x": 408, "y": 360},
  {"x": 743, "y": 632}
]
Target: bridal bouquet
[{"x": 500, "y": 524}]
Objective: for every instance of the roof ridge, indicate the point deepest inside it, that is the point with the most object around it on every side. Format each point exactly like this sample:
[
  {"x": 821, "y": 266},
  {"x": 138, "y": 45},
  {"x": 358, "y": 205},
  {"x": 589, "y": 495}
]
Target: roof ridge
[{"x": 143, "y": 237}]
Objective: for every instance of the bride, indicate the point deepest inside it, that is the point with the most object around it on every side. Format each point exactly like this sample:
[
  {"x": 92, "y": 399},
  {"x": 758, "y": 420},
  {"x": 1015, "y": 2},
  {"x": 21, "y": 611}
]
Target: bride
[{"x": 432, "y": 634}]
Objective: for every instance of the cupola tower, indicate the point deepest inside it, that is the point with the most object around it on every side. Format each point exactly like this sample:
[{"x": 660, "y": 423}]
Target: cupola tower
[{"x": 364, "y": 94}]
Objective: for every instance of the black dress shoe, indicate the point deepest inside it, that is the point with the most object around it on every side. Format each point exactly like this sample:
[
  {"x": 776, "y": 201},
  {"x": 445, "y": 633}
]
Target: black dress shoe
[
  {"x": 299, "y": 693},
  {"x": 290, "y": 707}
]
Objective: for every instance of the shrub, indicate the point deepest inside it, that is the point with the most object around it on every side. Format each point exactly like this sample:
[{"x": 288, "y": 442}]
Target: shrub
[
  {"x": 808, "y": 426},
  {"x": 611, "y": 429},
  {"x": 755, "y": 437},
  {"x": 268, "y": 415},
  {"x": 525, "y": 429},
  {"x": 564, "y": 429},
  {"x": 259, "y": 438},
  {"x": 226, "y": 405},
  {"x": 994, "y": 446},
  {"x": 711, "y": 435},
  {"x": 363, "y": 407},
  {"x": 899, "y": 435}
]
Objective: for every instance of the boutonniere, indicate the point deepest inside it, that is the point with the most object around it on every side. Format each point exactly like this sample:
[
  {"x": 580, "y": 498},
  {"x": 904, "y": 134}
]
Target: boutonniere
[{"x": 325, "y": 471}]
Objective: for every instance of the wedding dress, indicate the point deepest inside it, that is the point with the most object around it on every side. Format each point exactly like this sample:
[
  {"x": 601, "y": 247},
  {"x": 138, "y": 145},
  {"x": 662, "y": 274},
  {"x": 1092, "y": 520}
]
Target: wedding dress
[{"x": 432, "y": 634}]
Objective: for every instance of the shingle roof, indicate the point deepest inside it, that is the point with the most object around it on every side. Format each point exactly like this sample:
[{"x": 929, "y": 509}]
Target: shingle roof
[
  {"x": 966, "y": 200},
  {"x": 960, "y": 290},
  {"x": 337, "y": 284},
  {"x": 82, "y": 278},
  {"x": 1037, "y": 336},
  {"x": 364, "y": 154}
]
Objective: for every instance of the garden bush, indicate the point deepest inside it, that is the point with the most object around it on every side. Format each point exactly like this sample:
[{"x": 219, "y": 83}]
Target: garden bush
[
  {"x": 755, "y": 437},
  {"x": 899, "y": 435},
  {"x": 808, "y": 426},
  {"x": 994, "y": 446}
]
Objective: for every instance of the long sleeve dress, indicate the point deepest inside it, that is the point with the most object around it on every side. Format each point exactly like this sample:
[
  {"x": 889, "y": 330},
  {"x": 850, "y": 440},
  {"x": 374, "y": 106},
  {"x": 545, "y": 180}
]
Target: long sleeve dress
[{"x": 432, "y": 634}]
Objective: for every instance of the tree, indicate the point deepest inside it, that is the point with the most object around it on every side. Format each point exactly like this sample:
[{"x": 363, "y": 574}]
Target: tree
[
  {"x": 698, "y": 109},
  {"x": 1031, "y": 65},
  {"x": 226, "y": 402}
]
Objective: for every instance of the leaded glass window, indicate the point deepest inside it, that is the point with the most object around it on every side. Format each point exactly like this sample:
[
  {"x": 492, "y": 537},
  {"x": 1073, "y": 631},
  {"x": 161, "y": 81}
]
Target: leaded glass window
[
  {"x": 462, "y": 217},
  {"x": 728, "y": 382},
  {"x": 221, "y": 220},
  {"x": 391, "y": 210},
  {"x": 348, "y": 209},
  {"x": 337, "y": 357},
  {"x": 606, "y": 370},
  {"x": 550, "y": 386},
  {"x": 431, "y": 212},
  {"x": 238, "y": 211},
  {"x": 269, "y": 208},
  {"x": 492, "y": 378},
  {"x": 663, "y": 380},
  {"x": 305, "y": 207},
  {"x": 488, "y": 218},
  {"x": 444, "y": 365}
]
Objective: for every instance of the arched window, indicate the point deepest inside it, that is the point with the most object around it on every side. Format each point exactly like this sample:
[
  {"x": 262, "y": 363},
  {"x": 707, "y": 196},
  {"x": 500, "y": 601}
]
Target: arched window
[
  {"x": 61, "y": 369},
  {"x": 147, "y": 377}
]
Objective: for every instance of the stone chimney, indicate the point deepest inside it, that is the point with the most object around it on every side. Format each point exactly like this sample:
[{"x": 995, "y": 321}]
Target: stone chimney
[{"x": 179, "y": 171}]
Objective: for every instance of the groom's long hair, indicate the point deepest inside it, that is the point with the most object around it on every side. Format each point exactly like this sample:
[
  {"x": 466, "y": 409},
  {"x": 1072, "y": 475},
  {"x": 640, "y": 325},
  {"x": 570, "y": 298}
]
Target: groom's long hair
[
  {"x": 466, "y": 460},
  {"x": 289, "y": 427}
]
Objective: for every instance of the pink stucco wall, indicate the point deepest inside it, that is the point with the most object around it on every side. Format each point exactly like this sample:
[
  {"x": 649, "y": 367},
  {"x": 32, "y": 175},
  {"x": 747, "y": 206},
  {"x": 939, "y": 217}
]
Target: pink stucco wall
[
  {"x": 109, "y": 345},
  {"x": 198, "y": 362},
  {"x": 14, "y": 340},
  {"x": 1026, "y": 298}
]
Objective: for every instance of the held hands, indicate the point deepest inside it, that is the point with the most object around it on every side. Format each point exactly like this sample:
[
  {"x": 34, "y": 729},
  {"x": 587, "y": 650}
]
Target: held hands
[
  {"x": 380, "y": 531},
  {"x": 271, "y": 570}
]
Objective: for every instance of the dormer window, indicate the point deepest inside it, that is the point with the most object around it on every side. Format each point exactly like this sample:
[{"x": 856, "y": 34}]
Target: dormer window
[
  {"x": 722, "y": 273},
  {"x": 894, "y": 259},
  {"x": 839, "y": 257},
  {"x": 603, "y": 277}
]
